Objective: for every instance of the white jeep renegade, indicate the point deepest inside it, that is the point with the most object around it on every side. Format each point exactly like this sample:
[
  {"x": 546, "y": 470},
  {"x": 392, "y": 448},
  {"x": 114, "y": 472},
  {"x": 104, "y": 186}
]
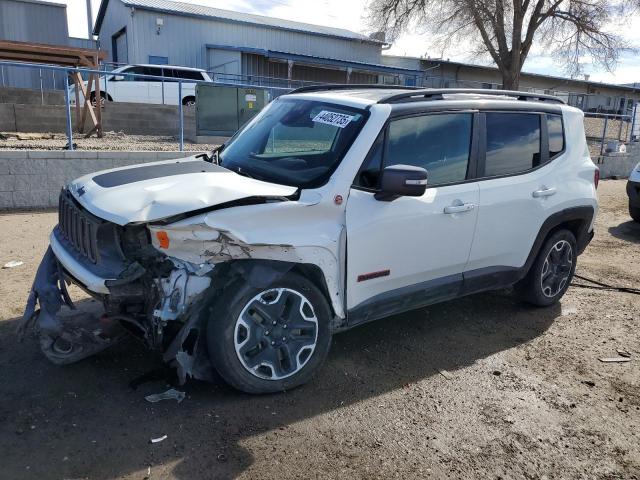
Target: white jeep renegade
[{"x": 333, "y": 207}]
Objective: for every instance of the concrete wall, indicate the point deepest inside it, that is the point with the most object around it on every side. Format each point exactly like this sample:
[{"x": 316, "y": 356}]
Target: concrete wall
[
  {"x": 33, "y": 179},
  {"x": 130, "y": 118},
  {"x": 31, "y": 96}
]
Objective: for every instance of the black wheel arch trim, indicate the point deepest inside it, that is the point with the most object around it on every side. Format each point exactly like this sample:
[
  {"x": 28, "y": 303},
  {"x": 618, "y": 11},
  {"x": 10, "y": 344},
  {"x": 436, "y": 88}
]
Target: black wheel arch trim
[{"x": 581, "y": 218}]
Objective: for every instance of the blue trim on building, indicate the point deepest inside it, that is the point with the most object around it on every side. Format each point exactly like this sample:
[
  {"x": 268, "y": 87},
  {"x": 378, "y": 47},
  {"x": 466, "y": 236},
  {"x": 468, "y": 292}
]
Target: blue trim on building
[{"x": 371, "y": 67}]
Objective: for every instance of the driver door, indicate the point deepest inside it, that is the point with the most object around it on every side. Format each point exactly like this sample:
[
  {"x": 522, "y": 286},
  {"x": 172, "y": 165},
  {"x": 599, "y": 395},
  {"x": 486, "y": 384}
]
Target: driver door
[{"x": 411, "y": 251}]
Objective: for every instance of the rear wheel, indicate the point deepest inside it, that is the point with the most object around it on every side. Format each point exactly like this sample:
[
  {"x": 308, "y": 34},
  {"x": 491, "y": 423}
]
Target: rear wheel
[
  {"x": 635, "y": 213},
  {"x": 189, "y": 101},
  {"x": 552, "y": 272},
  {"x": 264, "y": 340}
]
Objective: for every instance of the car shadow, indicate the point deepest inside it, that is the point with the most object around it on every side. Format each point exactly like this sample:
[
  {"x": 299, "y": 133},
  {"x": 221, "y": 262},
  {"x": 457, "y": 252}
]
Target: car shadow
[
  {"x": 84, "y": 420},
  {"x": 629, "y": 231}
]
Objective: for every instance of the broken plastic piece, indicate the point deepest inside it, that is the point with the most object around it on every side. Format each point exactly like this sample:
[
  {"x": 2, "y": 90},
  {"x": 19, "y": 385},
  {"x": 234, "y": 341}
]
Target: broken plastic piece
[
  {"x": 615, "y": 359},
  {"x": 13, "y": 264},
  {"x": 159, "y": 439},
  {"x": 171, "y": 394}
]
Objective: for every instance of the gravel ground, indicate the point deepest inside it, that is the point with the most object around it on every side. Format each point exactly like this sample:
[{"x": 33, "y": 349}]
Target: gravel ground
[
  {"x": 482, "y": 387},
  {"x": 110, "y": 141}
]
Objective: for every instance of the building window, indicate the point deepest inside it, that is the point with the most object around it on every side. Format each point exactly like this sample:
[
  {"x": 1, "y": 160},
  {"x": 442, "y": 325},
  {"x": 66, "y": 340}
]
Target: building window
[{"x": 157, "y": 60}]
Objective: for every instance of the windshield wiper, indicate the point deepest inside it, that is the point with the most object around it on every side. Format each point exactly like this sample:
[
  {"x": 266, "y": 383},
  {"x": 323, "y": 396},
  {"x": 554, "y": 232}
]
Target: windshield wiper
[{"x": 215, "y": 155}]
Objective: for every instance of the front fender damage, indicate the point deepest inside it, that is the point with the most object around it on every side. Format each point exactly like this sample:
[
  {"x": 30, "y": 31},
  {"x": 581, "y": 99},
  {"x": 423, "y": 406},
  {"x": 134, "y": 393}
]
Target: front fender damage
[{"x": 178, "y": 291}]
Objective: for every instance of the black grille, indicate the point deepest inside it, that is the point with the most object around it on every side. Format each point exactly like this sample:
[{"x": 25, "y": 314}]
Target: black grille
[{"x": 78, "y": 226}]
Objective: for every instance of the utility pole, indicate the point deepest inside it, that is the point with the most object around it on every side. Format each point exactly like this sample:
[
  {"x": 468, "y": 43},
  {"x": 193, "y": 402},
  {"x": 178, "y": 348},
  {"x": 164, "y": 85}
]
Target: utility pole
[{"x": 89, "y": 20}]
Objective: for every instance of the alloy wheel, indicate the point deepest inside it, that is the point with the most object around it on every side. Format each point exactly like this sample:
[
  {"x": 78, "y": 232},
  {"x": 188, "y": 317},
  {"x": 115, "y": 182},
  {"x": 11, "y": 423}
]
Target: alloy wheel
[
  {"x": 556, "y": 269},
  {"x": 276, "y": 333}
]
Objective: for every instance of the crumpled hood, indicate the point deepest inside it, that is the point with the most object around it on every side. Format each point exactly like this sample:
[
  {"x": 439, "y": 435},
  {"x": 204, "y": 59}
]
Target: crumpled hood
[{"x": 153, "y": 191}]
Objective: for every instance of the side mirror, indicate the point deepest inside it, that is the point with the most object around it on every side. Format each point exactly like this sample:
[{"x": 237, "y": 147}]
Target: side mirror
[
  {"x": 402, "y": 181},
  {"x": 117, "y": 78}
]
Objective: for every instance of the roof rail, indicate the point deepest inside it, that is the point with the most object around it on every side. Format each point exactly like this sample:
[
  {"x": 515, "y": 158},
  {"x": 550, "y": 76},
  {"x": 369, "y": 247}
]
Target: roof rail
[
  {"x": 438, "y": 94},
  {"x": 350, "y": 86}
]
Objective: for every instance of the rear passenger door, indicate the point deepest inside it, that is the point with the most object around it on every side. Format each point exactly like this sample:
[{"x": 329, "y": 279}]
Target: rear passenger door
[{"x": 520, "y": 187}]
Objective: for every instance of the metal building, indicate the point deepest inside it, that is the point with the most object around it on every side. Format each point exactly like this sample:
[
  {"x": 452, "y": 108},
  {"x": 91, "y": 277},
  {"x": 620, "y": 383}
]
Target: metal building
[
  {"x": 36, "y": 22},
  {"x": 32, "y": 21},
  {"x": 238, "y": 46},
  {"x": 587, "y": 95}
]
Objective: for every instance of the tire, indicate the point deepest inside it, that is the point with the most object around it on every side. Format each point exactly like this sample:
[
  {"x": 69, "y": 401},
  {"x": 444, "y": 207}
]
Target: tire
[
  {"x": 552, "y": 271},
  {"x": 255, "y": 355},
  {"x": 103, "y": 99},
  {"x": 189, "y": 101},
  {"x": 635, "y": 213}
]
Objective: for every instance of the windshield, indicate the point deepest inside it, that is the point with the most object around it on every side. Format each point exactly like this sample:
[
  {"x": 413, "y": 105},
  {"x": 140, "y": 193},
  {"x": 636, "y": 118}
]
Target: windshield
[{"x": 294, "y": 142}]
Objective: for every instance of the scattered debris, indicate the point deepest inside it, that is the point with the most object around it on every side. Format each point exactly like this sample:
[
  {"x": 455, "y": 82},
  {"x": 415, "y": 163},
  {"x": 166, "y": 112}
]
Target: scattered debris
[
  {"x": 614, "y": 359},
  {"x": 624, "y": 353},
  {"x": 569, "y": 311},
  {"x": 13, "y": 264},
  {"x": 159, "y": 439},
  {"x": 589, "y": 383},
  {"x": 222, "y": 457},
  {"x": 497, "y": 373},
  {"x": 171, "y": 394},
  {"x": 445, "y": 374}
]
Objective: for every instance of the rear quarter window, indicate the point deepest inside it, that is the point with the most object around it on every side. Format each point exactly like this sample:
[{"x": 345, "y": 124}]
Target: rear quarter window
[{"x": 556, "y": 135}]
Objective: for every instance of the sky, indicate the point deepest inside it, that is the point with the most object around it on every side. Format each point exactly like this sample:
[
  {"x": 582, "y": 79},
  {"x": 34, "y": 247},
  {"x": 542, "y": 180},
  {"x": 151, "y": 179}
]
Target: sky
[{"x": 350, "y": 14}]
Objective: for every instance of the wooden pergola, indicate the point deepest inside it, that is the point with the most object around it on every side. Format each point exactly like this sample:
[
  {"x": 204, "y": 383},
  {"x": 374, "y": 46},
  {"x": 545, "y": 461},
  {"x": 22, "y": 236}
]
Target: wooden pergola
[{"x": 65, "y": 57}]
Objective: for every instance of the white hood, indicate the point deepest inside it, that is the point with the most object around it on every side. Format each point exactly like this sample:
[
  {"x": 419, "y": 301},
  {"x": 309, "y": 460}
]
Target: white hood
[{"x": 153, "y": 191}]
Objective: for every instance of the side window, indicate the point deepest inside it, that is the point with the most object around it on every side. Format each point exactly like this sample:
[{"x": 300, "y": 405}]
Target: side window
[
  {"x": 137, "y": 71},
  {"x": 513, "y": 143},
  {"x": 188, "y": 74},
  {"x": 439, "y": 143},
  {"x": 154, "y": 71},
  {"x": 556, "y": 135},
  {"x": 170, "y": 73}
]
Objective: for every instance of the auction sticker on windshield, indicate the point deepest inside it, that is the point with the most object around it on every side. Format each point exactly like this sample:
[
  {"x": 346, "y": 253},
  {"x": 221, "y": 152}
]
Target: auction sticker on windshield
[{"x": 339, "y": 120}]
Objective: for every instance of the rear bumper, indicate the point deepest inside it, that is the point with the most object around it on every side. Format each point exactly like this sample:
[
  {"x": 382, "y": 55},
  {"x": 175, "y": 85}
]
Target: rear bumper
[{"x": 633, "y": 191}]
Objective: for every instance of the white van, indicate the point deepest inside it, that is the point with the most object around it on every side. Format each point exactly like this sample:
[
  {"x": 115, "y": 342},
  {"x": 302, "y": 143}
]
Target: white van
[{"x": 121, "y": 86}]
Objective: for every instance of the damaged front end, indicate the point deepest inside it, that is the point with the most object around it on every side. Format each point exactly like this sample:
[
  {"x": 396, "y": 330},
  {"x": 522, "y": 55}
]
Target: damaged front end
[{"x": 134, "y": 288}]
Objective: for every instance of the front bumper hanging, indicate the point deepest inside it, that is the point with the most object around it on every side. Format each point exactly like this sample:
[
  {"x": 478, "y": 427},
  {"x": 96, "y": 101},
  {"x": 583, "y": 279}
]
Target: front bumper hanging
[{"x": 66, "y": 334}]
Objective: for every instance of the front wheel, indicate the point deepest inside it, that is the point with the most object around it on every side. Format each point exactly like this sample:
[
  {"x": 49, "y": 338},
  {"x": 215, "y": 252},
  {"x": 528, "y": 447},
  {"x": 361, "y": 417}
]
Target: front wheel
[
  {"x": 103, "y": 99},
  {"x": 552, "y": 271},
  {"x": 264, "y": 340},
  {"x": 635, "y": 213}
]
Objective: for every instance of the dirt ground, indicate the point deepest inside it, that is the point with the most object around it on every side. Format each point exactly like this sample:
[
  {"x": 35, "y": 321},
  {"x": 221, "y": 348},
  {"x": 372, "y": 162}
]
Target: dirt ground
[{"x": 482, "y": 387}]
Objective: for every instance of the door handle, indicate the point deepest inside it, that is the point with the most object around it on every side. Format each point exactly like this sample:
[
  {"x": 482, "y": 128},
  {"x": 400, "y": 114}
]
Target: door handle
[
  {"x": 464, "y": 207},
  {"x": 544, "y": 192}
]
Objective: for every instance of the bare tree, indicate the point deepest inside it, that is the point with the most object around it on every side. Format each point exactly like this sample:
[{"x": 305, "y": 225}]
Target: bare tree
[{"x": 569, "y": 30}]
